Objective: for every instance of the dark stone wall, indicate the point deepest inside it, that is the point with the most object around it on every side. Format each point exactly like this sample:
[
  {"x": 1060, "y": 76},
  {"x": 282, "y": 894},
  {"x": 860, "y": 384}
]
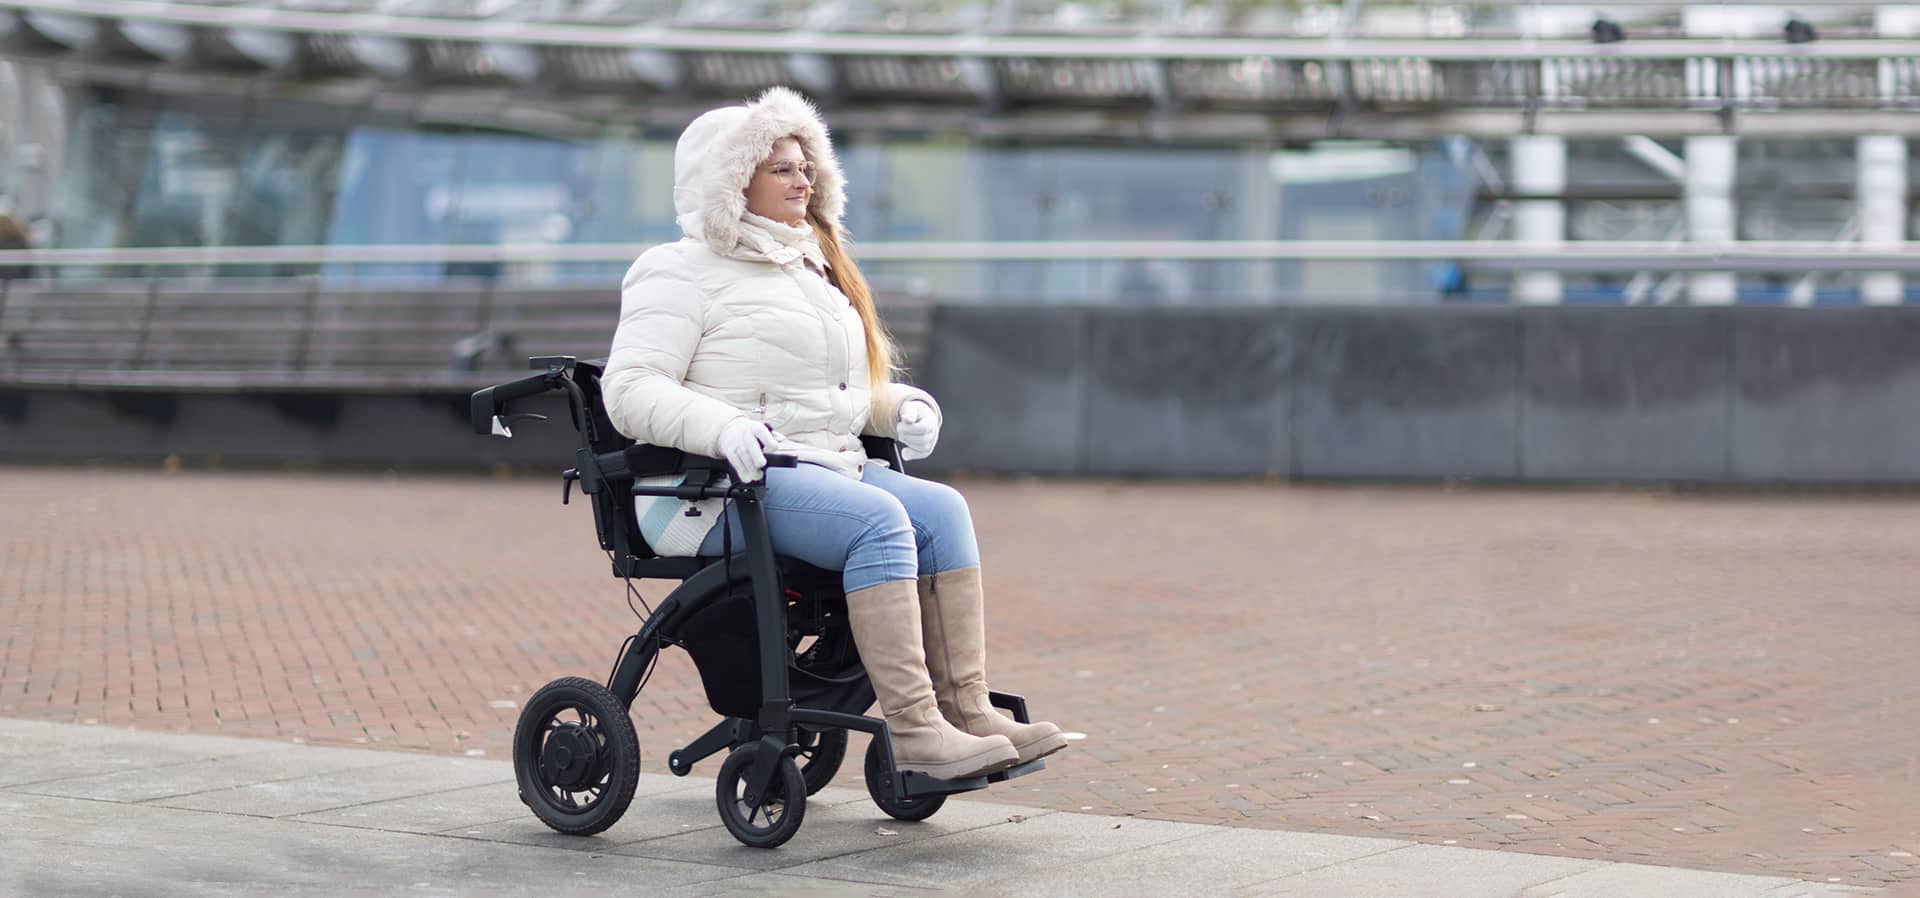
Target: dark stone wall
[
  {"x": 1509, "y": 393},
  {"x": 1545, "y": 393}
]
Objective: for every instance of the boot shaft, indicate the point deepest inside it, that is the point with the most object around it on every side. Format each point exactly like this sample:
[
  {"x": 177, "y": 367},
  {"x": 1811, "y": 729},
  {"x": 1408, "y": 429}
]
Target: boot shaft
[{"x": 954, "y": 626}]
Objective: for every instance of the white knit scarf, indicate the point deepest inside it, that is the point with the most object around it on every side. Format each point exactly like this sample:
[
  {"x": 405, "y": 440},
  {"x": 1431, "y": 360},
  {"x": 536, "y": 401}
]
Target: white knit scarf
[{"x": 781, "y": 243}]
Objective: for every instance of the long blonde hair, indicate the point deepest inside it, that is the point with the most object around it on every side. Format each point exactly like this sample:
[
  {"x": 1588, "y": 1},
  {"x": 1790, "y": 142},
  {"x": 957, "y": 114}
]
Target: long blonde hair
[{"x": 845, "y": 275}]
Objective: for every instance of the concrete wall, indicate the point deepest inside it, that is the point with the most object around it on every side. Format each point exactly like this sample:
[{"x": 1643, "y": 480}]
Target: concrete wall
[
  {"x": 1737, "y": 394},
  {"x": 274, "y": 429},
  {"x": 1537, "y": 393}
]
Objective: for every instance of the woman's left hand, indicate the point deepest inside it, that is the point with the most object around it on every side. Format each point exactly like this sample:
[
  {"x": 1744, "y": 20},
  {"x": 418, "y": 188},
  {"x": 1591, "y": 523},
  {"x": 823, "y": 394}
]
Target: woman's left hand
[{"x": 917, "y": 428}]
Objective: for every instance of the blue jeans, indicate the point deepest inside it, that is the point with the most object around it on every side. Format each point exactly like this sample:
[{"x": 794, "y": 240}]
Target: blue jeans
[{"x": 885, "y": 526}]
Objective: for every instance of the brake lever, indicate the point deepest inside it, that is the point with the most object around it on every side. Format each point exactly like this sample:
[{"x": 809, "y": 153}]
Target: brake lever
[{"x": 500, "y": 428}]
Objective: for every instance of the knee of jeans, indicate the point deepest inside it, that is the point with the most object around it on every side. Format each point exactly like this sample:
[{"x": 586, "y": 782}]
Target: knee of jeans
[
  {"x": 894, "y": 529},
  {"x": 950, "y": 502},
  {"x": 889, "y": 532}
]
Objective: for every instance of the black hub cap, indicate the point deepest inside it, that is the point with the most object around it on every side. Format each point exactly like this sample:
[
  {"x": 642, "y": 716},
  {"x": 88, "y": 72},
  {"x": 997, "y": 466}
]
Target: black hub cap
[{"x": 568, "y": 758}]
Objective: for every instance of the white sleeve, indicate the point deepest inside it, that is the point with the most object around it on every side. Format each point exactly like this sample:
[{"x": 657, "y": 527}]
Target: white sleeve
[
  {"x": 898, "y": 395},
  {"x": 662, "y": 319}
]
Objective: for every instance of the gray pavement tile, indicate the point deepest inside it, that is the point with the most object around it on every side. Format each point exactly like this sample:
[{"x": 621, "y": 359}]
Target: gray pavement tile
[
  {"x": 1418, "y": 871},
  {"x": 433, "y": 812},
  {"x": 760, "y": 885},
  {"x": 232, "y": 771},
  {"x": 684, "y": 805},
  {"x": 829, "y": 831},
  {"x": 1640, "y": 879},
  {"x": 345, "y": 788},
  {"x": 31, "y": 751},
  {"x": 68, "y": 848},
  {"x": 1219, "y": 862},
  {"x": 465, "y": 811},
  {"x": 979, "y": 857},
  {"x": 1797, "y": 889},
  {"x": 678, "y": 806},
  {"x": 23, "y": 815}
]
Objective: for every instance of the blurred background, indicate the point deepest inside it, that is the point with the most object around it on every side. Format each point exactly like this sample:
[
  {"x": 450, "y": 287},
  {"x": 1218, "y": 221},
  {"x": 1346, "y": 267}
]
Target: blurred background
[{"x": 1370, "y": 238}]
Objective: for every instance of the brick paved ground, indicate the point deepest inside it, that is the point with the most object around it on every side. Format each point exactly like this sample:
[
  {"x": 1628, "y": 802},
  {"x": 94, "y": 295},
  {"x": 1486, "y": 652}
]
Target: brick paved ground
[{"x": 1712, "y": 681}]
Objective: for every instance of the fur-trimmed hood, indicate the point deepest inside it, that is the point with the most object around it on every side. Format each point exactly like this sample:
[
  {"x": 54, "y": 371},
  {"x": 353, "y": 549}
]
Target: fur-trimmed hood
[{"x": 718, "y": 153}]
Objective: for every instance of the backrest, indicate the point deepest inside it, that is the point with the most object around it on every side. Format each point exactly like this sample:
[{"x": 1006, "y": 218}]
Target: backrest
[
  {"x": 613, "y": 513},
  {"x": 605, "y": 438}
]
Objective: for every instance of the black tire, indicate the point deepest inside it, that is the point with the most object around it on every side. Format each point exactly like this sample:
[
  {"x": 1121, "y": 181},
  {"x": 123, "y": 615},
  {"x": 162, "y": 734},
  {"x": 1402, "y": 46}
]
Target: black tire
[
  {"x": 576, "y": 756},
  {"x": 821, "y": 753},
  {"x": 909, "y": 809},
  {"x": 771, "y": 824}
]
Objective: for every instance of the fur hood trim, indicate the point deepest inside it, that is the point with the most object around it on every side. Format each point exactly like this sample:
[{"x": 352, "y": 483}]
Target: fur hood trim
[{"x": 719, "y": 152}]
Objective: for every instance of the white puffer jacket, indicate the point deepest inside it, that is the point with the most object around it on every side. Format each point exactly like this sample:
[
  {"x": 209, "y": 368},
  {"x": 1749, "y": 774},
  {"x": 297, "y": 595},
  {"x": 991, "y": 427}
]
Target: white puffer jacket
[{"x": 712, "y": 329}]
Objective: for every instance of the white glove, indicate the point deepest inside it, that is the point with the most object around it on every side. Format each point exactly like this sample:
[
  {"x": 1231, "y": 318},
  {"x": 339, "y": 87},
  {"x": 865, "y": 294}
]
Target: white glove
[
  {"x": 917, "y": 428},
  {"x": 744, "y": 443}
]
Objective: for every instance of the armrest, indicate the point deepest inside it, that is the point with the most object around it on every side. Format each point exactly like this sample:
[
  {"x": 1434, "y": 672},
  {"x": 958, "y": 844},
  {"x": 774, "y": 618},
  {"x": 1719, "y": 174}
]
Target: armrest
[
  {"x": 641, "y": 460},
  {"x": 885, "y": 449},
  {"x": 492, "y": 401}
]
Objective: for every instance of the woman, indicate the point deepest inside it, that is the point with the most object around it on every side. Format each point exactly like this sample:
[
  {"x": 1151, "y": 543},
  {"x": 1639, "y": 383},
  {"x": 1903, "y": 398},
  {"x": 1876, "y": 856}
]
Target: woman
[{"x": 757, "y": 334}]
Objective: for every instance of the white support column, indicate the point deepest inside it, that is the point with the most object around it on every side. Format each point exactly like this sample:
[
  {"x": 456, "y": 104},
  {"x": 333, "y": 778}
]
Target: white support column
[
  {"x": 1711, "y": 164},
  {"x": 1539, "y": 168},
  {"x": 1260, "y": 219},
  {"x": 1882, "y": 198}
]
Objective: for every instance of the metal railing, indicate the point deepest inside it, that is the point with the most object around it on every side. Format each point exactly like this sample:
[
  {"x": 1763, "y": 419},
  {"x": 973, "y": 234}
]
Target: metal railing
[
  {"x": 1745, "y": 255},
  {"x": 1162, "y": 69},
  {"x": 651, "y": 36}
]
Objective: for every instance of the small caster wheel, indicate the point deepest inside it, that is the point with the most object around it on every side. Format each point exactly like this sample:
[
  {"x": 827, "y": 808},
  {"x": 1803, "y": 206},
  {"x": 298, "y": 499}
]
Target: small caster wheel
[
  {"x": 677, "y": 764},
  {"x": 821, "y": 752},
  {"x": 774, "y": 821},
  {"x": 880, "y": 788},
  {"x": 576, "y": 756}
]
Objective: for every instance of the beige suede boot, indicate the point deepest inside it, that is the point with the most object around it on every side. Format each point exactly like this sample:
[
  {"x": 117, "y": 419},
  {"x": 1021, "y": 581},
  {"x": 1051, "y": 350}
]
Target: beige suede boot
[
  {"x": 953, "y": 619},
  {"x": 886, "y": 630}
]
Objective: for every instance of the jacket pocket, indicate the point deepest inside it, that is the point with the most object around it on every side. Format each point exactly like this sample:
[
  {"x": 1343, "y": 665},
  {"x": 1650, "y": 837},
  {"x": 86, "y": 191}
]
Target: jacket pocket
[{"x": 778, "y": 412}]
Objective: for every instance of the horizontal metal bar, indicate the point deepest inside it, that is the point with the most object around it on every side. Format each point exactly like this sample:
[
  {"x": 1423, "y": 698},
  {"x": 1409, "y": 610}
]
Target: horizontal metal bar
[
  {"x": 973, "y": 45},
  {"x": 1636, "y": 255}
]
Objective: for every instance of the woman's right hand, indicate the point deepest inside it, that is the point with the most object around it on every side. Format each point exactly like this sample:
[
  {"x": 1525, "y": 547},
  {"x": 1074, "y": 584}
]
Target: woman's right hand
[{"x": 745, "y": 443}]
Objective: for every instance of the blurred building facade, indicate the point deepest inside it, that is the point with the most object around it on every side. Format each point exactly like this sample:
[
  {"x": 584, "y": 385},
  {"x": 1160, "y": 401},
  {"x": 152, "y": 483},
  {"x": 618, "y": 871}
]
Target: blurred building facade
[{"x": 231, "y": 123}]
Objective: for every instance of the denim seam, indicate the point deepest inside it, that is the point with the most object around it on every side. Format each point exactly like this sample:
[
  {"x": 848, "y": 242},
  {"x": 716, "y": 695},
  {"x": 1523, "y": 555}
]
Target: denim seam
[{"x": 884, "y": 550}]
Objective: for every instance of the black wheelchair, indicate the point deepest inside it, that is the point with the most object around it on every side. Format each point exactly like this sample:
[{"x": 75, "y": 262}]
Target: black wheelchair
[{"x": 768, "y": 634}]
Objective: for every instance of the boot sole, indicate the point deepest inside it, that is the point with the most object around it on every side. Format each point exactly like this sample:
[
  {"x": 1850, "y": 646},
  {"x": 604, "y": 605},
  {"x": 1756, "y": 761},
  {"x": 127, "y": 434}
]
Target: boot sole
[
  {"x": 986, "y": 762},
  {"x": 1041, "y": 747}
]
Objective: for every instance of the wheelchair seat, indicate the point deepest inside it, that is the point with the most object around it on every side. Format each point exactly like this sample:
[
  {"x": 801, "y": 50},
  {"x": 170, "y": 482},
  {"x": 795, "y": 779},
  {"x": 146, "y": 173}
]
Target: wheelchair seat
[{"x": 608, "y": 464}]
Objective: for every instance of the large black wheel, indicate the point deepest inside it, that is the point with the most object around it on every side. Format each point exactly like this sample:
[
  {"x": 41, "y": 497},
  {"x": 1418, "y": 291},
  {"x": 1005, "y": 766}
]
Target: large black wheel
[
  {"x": 821, "y": 752},
  {"x": 576, "y": 756},
  {"x": 880, "y": 788},
  {"x": 771, "y": 823}
]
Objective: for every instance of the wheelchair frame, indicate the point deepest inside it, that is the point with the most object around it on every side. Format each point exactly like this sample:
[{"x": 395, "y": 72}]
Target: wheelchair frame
[{"x": 771, "y": 731}]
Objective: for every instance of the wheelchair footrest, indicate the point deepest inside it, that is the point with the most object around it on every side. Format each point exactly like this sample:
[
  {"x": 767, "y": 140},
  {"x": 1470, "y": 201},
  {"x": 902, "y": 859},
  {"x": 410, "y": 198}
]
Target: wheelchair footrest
[
  {"x": 1034, "y": 766},
  {"x": 920, "y": 785}
]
